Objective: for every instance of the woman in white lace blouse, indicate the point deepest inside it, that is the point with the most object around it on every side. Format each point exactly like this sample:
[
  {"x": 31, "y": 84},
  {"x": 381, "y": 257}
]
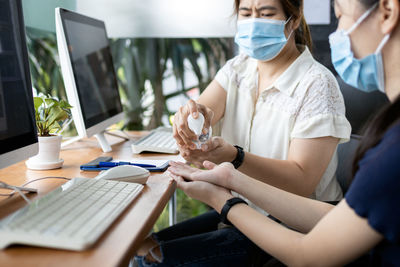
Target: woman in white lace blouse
[{"x": 285, "y": 114}]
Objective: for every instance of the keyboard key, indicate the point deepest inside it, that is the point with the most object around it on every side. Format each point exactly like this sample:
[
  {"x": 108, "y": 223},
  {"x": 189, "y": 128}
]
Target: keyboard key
[{"x": 159, "y": 140}]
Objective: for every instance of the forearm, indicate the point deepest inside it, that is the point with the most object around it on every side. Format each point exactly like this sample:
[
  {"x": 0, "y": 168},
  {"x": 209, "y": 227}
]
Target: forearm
[
  {"x": 326, "y": 245},
  {"x": 278, "y": 241},
  {"x": 284, "y": 174},
  {"x": 298, "y": 212}
]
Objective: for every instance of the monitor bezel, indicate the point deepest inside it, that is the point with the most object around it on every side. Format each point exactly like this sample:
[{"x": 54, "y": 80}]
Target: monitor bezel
[
  {"x": 23, "y": 146},
  {"x": 82, "y": 126}
]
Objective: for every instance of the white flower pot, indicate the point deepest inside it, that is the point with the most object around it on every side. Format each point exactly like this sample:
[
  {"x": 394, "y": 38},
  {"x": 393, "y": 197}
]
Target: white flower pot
[{"x": 49, "y": 154}]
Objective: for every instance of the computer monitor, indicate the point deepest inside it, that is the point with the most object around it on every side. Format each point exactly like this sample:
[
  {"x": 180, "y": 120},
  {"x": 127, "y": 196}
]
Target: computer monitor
[
  {"x": 18, "y": 136},
  {"x": 89, "y": 75}
]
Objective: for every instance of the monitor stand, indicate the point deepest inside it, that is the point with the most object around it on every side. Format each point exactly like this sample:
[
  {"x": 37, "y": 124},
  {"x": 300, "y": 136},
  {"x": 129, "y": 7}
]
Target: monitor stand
[
  {"x": 103, "y": 142},
  {"x": 100, "y": 138}
]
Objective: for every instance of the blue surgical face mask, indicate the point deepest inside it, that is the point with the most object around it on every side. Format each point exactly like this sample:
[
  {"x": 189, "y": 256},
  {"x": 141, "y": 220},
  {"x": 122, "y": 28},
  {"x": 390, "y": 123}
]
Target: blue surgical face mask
[
  {"x": 366, "y": 74},
  {"x": 262, "y": 39}
]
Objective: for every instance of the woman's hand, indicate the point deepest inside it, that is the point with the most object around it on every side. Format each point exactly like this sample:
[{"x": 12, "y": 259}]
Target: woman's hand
[
  {"x": 181, "y": 132},
  {"x": 210, "y": 194},
  {"x": 215, "y": 150},
  {"x": 221, "y": 175}
]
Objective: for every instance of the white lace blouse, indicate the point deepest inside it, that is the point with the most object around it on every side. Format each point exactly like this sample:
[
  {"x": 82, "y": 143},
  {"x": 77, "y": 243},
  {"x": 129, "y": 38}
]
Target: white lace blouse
[{"x": 304, "y": 102}]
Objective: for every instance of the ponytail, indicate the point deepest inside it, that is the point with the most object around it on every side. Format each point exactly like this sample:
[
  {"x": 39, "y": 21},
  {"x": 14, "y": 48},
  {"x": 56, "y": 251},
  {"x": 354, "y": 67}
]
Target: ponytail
[
  {"x": 294, "y": 9},
  {"x": 303, "y": 34}
]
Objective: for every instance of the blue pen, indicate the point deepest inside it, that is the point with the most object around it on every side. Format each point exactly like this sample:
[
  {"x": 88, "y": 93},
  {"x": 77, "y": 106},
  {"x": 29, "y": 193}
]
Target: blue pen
[{"x": 113, "y": 164}]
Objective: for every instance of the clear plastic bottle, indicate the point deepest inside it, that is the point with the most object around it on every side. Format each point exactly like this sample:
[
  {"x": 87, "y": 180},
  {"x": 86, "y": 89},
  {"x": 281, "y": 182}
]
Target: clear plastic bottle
[{"x": 196, "y": 125}]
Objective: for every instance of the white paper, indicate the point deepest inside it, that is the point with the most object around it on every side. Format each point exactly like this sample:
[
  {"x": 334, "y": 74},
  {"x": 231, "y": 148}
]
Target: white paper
[
  {"x": 157, "y": 162},
  {"x": 317, "y": 11}
]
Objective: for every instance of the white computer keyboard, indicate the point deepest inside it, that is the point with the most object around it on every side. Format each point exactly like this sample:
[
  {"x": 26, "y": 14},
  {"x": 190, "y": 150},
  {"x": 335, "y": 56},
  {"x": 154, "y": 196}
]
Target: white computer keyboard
[
  {"x": 159, "y": 140},
  {"x": 71, "y": 217}
]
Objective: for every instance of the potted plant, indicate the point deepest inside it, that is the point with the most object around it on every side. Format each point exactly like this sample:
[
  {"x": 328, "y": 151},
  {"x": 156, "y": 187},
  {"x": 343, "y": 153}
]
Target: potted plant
[{"x": 51, "y": 115}]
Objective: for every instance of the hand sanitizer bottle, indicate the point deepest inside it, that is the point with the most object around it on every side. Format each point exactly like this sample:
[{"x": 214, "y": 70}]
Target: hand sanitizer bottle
[{"x": 196, "y": 125}]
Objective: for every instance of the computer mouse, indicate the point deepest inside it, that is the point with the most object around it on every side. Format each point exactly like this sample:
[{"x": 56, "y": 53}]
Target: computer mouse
[{"x": 125, "y": 173}]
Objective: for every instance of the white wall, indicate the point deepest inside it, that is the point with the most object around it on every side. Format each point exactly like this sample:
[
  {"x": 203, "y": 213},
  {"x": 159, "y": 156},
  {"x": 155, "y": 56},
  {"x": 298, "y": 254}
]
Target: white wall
[
  {"x": 178, "y": 18},
  {"x": 163, "y": 18},
  {"x": 157, "y": 18}
]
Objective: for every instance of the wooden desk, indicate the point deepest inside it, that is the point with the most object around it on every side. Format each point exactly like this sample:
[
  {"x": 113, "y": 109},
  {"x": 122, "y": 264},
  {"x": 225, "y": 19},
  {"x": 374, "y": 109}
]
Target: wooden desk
[{"x": 120, "y": 241}]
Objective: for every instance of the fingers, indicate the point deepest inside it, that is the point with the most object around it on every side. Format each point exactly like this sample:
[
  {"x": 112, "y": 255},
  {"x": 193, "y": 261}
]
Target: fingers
[
  {"x": 180, "y": 182},
  {"x": 205, "y": 147},
  {"x": 198, "y": 164},
  {"x": 193, "y": 108},
  {"x": 187, "y": 138},
  {"x": 175, "y": 163},
  {"x": 207, "y": 120},
  {"x": 176, "y": 136},
  {"x": 186, "y": 153},
  {"x": 194, "y": 156},
  {"x": 213, "y": 143},
  {"x": 209, "y": 165},
  {"x": 181, "y": 132},
  {"x": 187, "y": 135},
  {"x": 208, "y": 116},
  {"x": 228, "y": 165},
  {"x": 184, "y": 170},
  {"x": 176, "y": 126},
  {"x": 183, "y": 128}
]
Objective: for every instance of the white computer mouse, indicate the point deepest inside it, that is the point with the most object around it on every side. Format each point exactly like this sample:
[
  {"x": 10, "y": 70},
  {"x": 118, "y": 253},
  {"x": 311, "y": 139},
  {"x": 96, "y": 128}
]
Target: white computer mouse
[{"x": 126, "y": 173}]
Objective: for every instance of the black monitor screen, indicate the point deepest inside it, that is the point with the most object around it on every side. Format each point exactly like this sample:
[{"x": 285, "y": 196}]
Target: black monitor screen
[
  {"x": 17, "y": 120},
  {"x": 92, "y": 66}
]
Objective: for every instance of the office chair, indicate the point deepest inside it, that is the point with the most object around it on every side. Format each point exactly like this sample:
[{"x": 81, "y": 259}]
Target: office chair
[
  {"x": 346, "y": 153},
  {"x": 360, "y": 107}
]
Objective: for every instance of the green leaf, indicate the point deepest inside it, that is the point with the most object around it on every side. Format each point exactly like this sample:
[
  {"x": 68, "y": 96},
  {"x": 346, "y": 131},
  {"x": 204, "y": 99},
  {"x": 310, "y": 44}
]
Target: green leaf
[
  {"x": 37, "y": 101},
  {"x": 54, "y": 128},
  {"x": 65, "y": 105},
  {"x": 49, "y": 113},
  {"x": 57, "y": 114},
  {"x": 51, "y": 102}
]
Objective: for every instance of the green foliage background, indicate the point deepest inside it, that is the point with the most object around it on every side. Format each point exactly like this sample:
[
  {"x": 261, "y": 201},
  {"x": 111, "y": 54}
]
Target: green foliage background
[{"x": 139, "y": 62}]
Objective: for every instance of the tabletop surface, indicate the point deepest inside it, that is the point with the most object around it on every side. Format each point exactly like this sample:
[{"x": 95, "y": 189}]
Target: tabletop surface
[{"x": 117, "y": 245}]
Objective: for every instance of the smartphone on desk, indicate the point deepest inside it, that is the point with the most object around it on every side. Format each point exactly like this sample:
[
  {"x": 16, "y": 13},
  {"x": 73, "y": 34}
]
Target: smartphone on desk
[{"x": 94, "y": 164}]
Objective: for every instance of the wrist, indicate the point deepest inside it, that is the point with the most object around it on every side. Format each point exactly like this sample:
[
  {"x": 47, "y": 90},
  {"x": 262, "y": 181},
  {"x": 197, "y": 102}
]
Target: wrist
[
  {"x": 239, "y": 158},
  {"x": 227, "y": 207},
  {"x": 234, "y": 181},
  {"x": 230, "y": 153},
  {"x": 220, "y": 201},
  {"x": 226, "y": 153}
]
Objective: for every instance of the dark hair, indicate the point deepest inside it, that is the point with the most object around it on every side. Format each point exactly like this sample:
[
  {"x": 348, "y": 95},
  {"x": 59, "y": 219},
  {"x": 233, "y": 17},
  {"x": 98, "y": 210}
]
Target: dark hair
[
  {"x": 368, "y": 3},
  {"x": 387, "y": 117},
  {"x": 293, "y": 8}
]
